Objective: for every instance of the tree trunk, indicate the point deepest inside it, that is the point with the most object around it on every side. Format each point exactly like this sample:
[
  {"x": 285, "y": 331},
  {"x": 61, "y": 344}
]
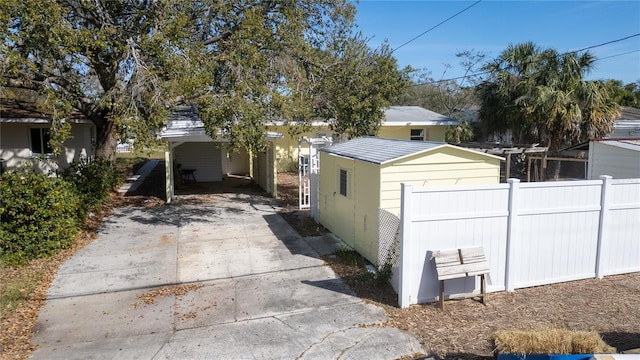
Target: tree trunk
[
  {"x": 106, "y": 141},
  {"x": 553, "y": 169}
]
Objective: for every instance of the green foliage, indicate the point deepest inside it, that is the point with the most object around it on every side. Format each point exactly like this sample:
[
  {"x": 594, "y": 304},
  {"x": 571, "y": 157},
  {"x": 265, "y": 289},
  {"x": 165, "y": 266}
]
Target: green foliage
[
  {"x": 348, "y": 255},
  {"x": 625, "y": 95},
  {"x": 92, "y": 180},
  {"x": 357, "y": 85},
  {"x": 464, "y": 132},
  {"x": 540, "y": 96},
  {"x": 125, "y": 65},
  {"x": 383, "y": 274},
  {"x": 39, "y": 215}
]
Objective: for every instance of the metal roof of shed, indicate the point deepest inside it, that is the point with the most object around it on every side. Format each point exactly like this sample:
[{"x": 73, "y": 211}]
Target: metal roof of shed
[{"x": 379, "y": 150}]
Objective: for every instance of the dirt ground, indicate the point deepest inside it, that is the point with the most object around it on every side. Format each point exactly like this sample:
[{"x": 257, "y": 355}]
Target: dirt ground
[{"x": 610, "y": 306}]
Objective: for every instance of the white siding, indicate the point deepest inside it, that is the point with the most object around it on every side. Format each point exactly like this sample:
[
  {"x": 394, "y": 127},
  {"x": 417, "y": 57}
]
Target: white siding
[{"x": 615, "y": 161}]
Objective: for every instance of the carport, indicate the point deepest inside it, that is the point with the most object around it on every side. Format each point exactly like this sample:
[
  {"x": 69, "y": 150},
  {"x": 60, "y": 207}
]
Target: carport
[{"x": 193, "y": 156}]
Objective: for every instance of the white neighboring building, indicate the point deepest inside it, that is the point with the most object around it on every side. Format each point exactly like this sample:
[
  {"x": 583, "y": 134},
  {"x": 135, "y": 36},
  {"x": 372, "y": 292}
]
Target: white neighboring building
[
  {"x": 24, "y": 140},
  {"x": 619, "y": 158}
]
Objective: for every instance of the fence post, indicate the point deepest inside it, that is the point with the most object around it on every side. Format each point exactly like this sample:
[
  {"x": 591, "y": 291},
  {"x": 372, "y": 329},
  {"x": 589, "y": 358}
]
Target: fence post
[
  {"x": 604, "y": 214},
  {"x": 404, "y": 295},
  {"x": 512, "y": 227}
]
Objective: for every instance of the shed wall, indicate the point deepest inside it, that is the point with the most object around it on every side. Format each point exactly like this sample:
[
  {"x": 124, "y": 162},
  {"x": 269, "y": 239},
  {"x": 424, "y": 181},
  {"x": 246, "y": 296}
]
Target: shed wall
[
  {"x": 449, "y": 166},
  {"x": 353, "y": 218},
  {"x": 366, "y": 191},
  {"x": 614, "y": 161}
]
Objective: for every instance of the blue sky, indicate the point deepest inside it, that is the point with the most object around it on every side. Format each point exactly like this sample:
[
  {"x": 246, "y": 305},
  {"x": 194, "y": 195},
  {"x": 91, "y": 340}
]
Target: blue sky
[{"x": 490, "y": 26}]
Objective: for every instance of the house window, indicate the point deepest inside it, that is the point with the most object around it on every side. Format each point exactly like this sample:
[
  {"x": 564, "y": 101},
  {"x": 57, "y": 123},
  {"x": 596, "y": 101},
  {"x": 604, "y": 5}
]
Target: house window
[
  {"x": 417, "y": 134},
  {"x": 343, "y": 182},
  {"x": 40, "y": 141}
]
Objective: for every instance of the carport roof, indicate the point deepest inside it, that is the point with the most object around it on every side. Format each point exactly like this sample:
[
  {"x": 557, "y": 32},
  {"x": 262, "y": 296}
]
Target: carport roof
[{"x": 185, "y": 125}]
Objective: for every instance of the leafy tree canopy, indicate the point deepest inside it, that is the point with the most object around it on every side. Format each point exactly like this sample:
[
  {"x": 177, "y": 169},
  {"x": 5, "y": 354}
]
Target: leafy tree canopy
[
  {"x": 540, "y": 96},
  {"x": 625, "y": 95},
  {"x": 125, "y": 64}
]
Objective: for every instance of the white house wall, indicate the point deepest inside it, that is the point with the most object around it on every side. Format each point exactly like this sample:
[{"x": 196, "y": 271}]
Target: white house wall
[
  {"x": 204, "y": 157},
  {"x": 610, "y": 160},
  {"x": 15, "y": 145}
]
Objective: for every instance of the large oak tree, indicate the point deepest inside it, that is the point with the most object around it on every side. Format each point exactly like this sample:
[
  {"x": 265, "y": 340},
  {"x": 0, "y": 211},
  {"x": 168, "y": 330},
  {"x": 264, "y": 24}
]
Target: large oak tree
[{"x": 125, "y": 64}]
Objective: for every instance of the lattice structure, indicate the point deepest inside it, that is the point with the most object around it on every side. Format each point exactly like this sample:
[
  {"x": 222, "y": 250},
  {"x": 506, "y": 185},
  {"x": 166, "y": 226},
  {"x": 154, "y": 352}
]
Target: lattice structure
[{"x": 388, "y": 238}]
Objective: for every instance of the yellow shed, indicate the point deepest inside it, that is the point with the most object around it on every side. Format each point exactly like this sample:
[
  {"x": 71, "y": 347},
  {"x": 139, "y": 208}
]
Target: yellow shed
[{"x": 360, "y": 179}]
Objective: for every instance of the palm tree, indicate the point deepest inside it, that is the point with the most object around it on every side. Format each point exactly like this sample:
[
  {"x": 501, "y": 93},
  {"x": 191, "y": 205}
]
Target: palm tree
[{"x": 541, "y": 97}]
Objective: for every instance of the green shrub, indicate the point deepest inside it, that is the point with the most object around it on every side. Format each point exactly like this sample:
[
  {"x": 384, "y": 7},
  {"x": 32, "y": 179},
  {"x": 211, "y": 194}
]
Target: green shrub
[
  {"x": 38, "y": 215},
  {"x": 93, "y": 180}
]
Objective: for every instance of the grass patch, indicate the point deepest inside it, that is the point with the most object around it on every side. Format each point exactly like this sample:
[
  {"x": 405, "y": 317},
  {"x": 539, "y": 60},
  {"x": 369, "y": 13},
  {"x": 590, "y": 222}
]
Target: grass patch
[
  {"x": 349, "y": 256},
  {"x": 17, "y": 286}
]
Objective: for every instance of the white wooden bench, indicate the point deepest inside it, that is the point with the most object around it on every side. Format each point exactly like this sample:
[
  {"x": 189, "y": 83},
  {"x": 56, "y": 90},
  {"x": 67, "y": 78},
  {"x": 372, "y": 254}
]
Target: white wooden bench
[{"x": 460, "y": 263}]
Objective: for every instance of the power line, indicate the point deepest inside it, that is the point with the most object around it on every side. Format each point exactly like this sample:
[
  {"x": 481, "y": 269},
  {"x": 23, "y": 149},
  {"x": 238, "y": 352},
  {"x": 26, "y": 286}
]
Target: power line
[
  {"x": 440, "y": 23},
  {"x": 603, "y": 44},
  {"x": 566, "y": 53},
  {"x": 616, "y": 55}
]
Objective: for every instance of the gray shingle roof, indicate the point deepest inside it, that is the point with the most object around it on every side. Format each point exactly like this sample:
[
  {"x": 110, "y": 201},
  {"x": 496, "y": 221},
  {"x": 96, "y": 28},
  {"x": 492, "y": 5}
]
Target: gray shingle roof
[{"x": 378, "y": 150}]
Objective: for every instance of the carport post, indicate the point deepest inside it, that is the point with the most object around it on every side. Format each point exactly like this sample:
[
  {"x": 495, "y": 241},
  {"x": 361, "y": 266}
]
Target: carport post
[{"x": 168, "y": 173}]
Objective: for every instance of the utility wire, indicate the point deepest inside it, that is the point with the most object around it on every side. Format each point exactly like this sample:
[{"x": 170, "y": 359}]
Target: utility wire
[
  {"x": 440, "y": 23},
  {"x": 603, "y": 44},
  {"x": 616, "y": 55},
  {"x": 566, "y": 53}
]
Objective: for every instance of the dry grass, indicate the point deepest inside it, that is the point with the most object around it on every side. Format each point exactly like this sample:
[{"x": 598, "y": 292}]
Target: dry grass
[{"x": 557, "y": 341}]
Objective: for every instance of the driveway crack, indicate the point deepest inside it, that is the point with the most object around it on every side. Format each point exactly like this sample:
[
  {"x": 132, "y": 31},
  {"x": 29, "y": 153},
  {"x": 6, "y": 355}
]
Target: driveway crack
[{"x": 343, "y": 330}]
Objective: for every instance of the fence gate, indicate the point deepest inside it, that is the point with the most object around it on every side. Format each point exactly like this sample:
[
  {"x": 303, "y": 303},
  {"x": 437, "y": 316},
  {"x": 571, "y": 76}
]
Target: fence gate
[{"x": 308, "y": 173}]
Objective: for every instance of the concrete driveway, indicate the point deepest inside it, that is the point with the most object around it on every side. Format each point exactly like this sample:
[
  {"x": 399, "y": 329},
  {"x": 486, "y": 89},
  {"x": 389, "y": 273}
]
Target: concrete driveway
[{"x": 209, "y": 277}]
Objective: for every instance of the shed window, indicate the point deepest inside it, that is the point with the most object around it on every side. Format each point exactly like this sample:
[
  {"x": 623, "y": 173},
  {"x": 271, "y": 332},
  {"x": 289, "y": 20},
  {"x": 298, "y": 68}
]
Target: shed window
[
  {"x": 343, "y": 182},
  {"x": 417, "y": 134},
  {"x": 40, "y": 141}
]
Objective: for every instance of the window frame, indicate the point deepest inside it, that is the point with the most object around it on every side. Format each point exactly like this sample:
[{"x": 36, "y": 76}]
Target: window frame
[
  {"x": 40, "y": 137},
  {"x": 419, "y": 137},
  {"x": 343, "y": 186}
]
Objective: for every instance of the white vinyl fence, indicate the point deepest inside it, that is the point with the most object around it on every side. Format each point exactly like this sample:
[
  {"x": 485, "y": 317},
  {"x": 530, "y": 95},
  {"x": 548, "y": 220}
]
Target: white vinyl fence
[{"x": 532, "y": 233}]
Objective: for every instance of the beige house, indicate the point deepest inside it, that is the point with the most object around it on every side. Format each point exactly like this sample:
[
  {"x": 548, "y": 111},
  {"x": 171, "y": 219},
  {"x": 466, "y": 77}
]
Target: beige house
[
  {"x": 400, "y": 122},
  {"x": 360, "y": 182}
]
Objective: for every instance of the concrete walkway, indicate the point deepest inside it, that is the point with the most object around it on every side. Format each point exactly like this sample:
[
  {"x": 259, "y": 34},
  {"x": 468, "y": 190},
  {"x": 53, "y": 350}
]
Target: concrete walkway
[{"x": 223, "y": 276}]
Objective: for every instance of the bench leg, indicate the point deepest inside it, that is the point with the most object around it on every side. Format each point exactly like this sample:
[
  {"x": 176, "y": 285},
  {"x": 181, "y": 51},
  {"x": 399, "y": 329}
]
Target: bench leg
[
  {"x": 483, "y": 289},
  {"x": 441, "y": 299}
]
